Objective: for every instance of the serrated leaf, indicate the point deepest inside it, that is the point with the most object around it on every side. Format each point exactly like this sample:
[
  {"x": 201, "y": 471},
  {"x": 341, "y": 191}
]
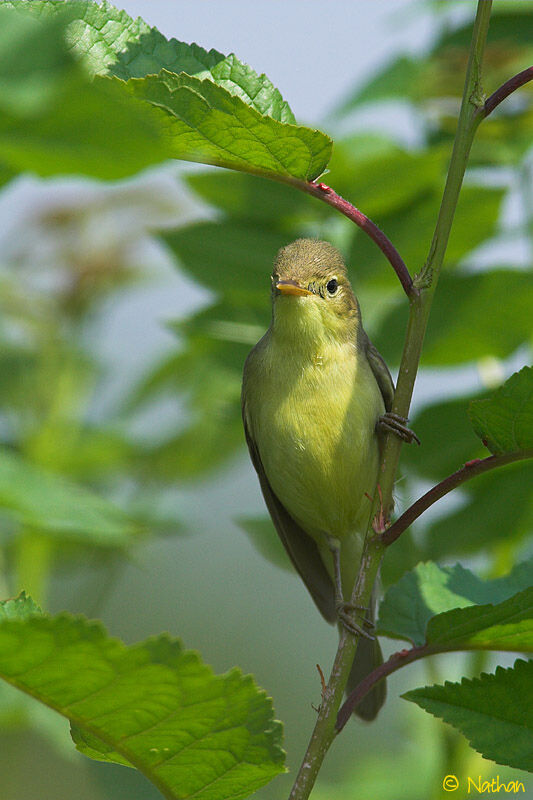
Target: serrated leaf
[
  {"x": 44, "y": 501},
  {"x": 494, "y": 712},
  {"x": 500, "y": 626},
  {"x": 228, "y": 116},
  {"x": 110, "y": 42},
  {"x": 21, "y": 607},
  {"x": 205, "y": 123},
  {"x": 152, "y": 705},
  {"x": 505, "y": 420},
  {"x": 430, "y": 590}
]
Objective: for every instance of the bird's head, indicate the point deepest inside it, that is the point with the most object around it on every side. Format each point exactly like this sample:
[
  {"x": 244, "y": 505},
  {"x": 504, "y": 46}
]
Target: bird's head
[{"x": 311, "y": 292}]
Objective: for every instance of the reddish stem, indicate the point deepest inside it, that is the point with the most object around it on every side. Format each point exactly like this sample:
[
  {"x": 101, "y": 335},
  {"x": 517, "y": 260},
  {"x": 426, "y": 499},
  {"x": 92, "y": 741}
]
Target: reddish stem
[
  {"x": 397, "y": 660},
  {"x": 329, "y": 196},
  {"x": 505, "y": 90},
  {"x": 468, "y": 471}
]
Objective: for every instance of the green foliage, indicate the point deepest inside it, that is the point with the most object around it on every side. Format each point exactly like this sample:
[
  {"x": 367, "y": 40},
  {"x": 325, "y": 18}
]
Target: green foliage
[
  {"x": 505, "y": 421},
  {"x": 69, "y": 124},
  {"x": 503, "y": 626},
  {"x": 142, "y": 105},
  {"x": 21, "y": 607},
  {"x": 41, "y": 501},
  {"x": 106, "y": 95},
  {"x": 437, "y": 605},
  {"x": 153, "y": 705},
  {"x": 494, "y": 712}
]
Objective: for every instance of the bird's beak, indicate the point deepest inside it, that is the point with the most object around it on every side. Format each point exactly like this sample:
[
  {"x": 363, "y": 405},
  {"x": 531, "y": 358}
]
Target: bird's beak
[{"x": 289, "y": 287}]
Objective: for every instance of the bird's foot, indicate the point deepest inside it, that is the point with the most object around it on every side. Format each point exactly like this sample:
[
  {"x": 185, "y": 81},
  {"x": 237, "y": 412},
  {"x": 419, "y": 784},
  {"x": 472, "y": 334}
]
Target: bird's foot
[
  {"x": 393, "y": 423},
  {"x": 348, "y": 614}
]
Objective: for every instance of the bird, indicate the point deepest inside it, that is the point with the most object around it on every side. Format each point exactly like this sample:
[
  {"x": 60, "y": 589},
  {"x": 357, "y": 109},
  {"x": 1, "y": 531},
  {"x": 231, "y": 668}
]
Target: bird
[{"x": 316, "y": 395}]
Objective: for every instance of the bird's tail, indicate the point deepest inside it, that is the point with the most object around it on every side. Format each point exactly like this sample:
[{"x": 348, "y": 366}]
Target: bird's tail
[{"x": 367, "y": 658}]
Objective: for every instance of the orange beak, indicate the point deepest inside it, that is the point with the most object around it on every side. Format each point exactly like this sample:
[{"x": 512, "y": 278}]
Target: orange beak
[{"x": 289, "y": 287}]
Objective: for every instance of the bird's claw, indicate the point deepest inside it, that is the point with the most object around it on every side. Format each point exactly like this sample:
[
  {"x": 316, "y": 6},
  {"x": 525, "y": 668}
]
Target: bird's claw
[
  {"x": 345, "y": 613},
  {"x": 394, "y": 423}
]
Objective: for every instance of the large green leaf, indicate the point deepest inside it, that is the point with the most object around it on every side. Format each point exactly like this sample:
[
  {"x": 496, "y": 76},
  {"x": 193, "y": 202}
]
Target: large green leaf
[
  {"x": 44, "y": 501},
  {"x": 152, "y": 705},
  {"x": 505, "y": 421},
  {"x": 205, "y": 123},
  {"x": 222, "y": 113},
  {"x": 494, "y": 712},
  {"x": 110, "y": 42},
  {"x": 430, "y": 590}
]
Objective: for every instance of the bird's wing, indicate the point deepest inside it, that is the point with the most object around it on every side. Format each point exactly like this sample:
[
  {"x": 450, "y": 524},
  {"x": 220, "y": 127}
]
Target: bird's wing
[
  {"x": 381, "y": 373},
  {"x": 302, "y": 549}
]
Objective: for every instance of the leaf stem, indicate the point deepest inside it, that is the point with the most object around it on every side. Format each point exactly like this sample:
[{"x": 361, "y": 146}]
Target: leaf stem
[
  {"x": 420, "y": 297},
  {"x": 395, "y": 662},
  {"x": 507, "y": 88},
  {"x": 329, "y": 196},
  {"x": 470, "y": 470}
]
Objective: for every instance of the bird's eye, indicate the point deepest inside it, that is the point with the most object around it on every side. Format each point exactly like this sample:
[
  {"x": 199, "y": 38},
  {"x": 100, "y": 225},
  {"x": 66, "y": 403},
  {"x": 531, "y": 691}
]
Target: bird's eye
[{"x": 332, "y": 285}]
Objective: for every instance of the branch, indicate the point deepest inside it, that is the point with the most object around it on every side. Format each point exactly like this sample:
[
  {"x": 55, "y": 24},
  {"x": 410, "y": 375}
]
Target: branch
[
  {"x": 420, "y": 303},
  {"x": 329, "y": 196},
  {"x": 505, "y": 90},
  {"x": 470, "y": 470},
  {"x": 397, "y": 660}
]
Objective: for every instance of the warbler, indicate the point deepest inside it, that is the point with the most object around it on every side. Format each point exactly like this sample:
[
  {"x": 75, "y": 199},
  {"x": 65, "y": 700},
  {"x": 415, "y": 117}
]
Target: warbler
[{"x": 315, "y": 394}]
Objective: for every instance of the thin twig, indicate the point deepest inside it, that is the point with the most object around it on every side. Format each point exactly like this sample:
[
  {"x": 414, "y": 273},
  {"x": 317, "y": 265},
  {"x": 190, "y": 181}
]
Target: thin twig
[
  {"x": 505, "y": 90},
  {"x": 397, "y": 660},
  {"x": 329, "y": 196},
  {"x": 466, "y": 473}
]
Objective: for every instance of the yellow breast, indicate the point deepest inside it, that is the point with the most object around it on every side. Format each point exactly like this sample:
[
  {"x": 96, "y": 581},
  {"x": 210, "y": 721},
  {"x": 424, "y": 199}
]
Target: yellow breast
[{"x": 313, "y": 416}]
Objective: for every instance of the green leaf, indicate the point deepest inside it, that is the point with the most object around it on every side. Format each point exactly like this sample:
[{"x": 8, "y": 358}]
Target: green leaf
[
  {"x": 395, "y": 80},
  {"x": 71, "y": 124},
  {"x": 249, "y": 197},
  {"x": 472, "y": 301},
  {"x": 230, "y": 257},
  {"x": 411, "y": 229},
  {"x": 45, "y": 502},
  {"x": 430, "y": 590},
  {"x": 440, "y": 453},
  {"x": 224, "y": 114},
  {"x": 494, "y": 712},
  {"x": 21, "y": 607},
  {"x": 152, "y": 705},
  {"x": 501, "y": 626},
  {"x": 110, "y": 42},
  {"x": 205, "y": 123},
  {"x": 505, "y": 421}
]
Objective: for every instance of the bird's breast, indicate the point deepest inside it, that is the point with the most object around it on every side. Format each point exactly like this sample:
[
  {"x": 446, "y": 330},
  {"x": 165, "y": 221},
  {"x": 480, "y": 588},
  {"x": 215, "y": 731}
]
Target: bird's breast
[{"x": 314, "y": 424}]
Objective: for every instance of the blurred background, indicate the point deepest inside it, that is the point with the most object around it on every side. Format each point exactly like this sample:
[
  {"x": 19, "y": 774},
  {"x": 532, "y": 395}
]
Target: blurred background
[{"x": 127, "y": 310}]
